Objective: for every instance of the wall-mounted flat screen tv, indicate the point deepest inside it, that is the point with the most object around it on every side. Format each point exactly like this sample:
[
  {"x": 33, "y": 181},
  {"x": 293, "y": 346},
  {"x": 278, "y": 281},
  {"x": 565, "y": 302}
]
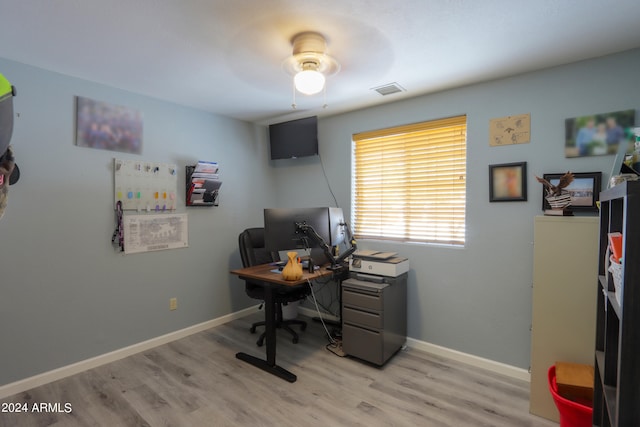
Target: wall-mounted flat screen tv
[{"x": 295, "y": 138}]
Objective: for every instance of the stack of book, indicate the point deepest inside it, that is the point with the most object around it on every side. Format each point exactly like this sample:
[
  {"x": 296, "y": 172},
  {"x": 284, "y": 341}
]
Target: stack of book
[{"x": 558, "y": 212}]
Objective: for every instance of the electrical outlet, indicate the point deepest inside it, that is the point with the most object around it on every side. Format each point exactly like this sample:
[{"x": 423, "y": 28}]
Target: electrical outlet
[{"x": 173, "y": 304}]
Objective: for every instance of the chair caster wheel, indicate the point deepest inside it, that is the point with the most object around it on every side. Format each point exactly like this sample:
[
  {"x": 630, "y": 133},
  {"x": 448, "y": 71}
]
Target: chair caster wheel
[
  {"x": 252, "y": 329},
  {"x": 259, "y": 343},
  {"x": 295, "y": 340}
]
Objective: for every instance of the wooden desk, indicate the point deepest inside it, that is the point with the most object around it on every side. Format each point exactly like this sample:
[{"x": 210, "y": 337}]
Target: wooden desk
[{"x": 262, "y": 273}]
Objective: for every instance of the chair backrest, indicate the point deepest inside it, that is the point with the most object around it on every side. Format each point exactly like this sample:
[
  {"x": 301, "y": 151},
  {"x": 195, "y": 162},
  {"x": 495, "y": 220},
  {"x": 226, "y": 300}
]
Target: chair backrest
[{"x": 252, "y": 248}]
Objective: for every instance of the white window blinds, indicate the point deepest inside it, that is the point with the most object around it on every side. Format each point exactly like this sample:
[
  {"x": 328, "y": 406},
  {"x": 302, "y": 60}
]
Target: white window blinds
[{"x": 409, "y": 182}]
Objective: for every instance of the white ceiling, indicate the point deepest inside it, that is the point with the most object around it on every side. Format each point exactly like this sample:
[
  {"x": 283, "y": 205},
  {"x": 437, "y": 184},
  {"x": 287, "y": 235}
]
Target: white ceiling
[{"x": 225, "y": 56}]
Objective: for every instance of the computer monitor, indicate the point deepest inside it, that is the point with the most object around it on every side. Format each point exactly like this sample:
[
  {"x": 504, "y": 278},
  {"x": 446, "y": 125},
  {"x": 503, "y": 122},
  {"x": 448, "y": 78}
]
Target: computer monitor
[
  {"x": 619, "y": 167},
  {"x": 288, "y": 228},
  {"x": 337, "y": 226}
]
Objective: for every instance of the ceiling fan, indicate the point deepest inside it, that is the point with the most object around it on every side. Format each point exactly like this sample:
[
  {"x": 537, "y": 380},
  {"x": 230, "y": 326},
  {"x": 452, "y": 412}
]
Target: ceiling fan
[{"x": 310, "y": 64}]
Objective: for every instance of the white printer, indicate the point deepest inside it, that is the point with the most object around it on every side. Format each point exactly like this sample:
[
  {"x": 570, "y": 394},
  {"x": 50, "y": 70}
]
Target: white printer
[{"x": 378, "y": 263}]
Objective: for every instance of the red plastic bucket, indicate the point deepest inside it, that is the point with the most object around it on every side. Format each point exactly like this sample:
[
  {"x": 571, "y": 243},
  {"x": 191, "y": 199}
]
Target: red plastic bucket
[{"x": 572, "y": 414}]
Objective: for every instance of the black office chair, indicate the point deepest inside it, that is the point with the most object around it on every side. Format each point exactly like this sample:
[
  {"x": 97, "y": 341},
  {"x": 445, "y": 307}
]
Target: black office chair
[{"x": 253, "y": 252}]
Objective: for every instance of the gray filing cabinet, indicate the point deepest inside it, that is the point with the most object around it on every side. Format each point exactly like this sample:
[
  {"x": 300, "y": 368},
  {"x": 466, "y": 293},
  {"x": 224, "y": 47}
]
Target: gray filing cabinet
[{"x": 374, "y": 316}]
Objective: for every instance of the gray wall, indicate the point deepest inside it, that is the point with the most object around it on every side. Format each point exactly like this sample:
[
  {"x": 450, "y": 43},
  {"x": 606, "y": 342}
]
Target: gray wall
[
  {"x": 65, "y": 294},
  {"x": 478, "y": 299}
]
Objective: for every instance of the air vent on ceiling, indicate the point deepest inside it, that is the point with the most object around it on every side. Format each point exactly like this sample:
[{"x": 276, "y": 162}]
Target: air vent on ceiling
[{"x": 388, "y": 89}]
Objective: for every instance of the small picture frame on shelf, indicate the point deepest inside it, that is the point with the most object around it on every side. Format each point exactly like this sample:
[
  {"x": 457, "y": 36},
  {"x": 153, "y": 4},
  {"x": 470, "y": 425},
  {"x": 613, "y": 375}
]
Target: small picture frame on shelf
[
  {"x": 584, "y": 190},
  {"x": 508, "y": 182}
]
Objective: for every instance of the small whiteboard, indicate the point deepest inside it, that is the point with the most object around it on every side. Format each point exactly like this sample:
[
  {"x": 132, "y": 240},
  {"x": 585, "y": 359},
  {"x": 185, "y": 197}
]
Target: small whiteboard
[
  {"x": 145, "y": 186},
  {"x": 145, "y": 233}
]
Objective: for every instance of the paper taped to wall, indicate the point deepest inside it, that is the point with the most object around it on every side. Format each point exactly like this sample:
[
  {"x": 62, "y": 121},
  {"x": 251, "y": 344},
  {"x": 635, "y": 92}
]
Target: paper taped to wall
[{"x": 145, "y": 233}]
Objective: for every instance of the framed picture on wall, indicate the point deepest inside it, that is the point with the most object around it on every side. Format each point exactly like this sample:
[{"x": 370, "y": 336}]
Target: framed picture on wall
[
  {"x": 584, "y": 190},
  {"x": 107, "y": 126},
  {"x": 599, "y": 134},
  {"x": 508, "y": 182}
]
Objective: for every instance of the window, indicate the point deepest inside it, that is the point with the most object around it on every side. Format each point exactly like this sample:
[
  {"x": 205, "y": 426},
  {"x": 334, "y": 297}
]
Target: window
[{"x": 409, "y": 182}]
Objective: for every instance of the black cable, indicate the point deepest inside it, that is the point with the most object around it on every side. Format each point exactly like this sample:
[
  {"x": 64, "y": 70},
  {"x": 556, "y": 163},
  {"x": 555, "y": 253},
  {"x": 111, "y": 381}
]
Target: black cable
[
  {"x": 332, "y": 296},
  {"x": 324, "y": 172}
]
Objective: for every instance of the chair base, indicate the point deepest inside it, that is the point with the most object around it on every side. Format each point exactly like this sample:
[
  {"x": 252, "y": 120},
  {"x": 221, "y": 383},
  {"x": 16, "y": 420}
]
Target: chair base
[{"x": 281, "y": 324}]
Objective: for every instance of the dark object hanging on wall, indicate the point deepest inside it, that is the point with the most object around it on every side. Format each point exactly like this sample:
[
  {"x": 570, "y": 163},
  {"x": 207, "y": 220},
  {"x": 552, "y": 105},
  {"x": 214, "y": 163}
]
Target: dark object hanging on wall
[{"x": 7, "y": 161}]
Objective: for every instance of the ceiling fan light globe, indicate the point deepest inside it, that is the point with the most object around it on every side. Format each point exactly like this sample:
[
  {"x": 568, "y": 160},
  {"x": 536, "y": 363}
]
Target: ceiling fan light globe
[{"x": 309, "y": 82}]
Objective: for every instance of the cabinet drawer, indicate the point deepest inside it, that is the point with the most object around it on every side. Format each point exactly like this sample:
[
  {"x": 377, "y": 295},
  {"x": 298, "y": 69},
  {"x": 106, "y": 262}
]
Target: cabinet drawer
[
  {"x": 364, "y": 318},
  {"x": 362, "y": 300},
  {"x": 362, "y": 343}
]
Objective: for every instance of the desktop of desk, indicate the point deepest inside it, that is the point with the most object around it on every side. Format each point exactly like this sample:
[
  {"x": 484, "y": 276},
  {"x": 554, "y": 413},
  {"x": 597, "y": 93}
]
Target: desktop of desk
[{"x": 264, "y": 273}]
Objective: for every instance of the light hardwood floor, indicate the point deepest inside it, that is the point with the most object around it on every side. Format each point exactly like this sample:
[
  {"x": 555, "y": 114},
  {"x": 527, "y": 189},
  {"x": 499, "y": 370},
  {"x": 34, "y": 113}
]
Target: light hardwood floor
[{"x": 197, "y": 381}]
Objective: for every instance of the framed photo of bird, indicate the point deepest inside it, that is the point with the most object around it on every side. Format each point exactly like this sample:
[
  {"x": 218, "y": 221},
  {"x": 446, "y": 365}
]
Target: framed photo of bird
[{"x": 584, "y": 190}]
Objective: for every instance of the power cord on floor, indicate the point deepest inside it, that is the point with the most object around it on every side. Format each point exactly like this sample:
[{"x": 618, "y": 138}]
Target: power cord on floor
[
  {"x": 336, "y": 348},
  {"x": 335, "y": 344},
  {"x": 315, "y": 302}
]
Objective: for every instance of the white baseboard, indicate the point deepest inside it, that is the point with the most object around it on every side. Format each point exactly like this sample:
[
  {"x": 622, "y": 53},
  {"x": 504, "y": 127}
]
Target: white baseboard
[
  {"x": 66, "y": 371},
  {"x": 469, "y": 359}
]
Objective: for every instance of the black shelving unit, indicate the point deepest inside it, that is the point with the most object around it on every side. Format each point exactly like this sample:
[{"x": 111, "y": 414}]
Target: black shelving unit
[{"x": 617, "y": 356}]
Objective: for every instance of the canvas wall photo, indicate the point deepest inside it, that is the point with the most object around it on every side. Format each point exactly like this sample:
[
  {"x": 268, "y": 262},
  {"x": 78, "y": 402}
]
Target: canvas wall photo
[
  {"x": 108, "y": 127},
  {"x": 599, "y": 134}
]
